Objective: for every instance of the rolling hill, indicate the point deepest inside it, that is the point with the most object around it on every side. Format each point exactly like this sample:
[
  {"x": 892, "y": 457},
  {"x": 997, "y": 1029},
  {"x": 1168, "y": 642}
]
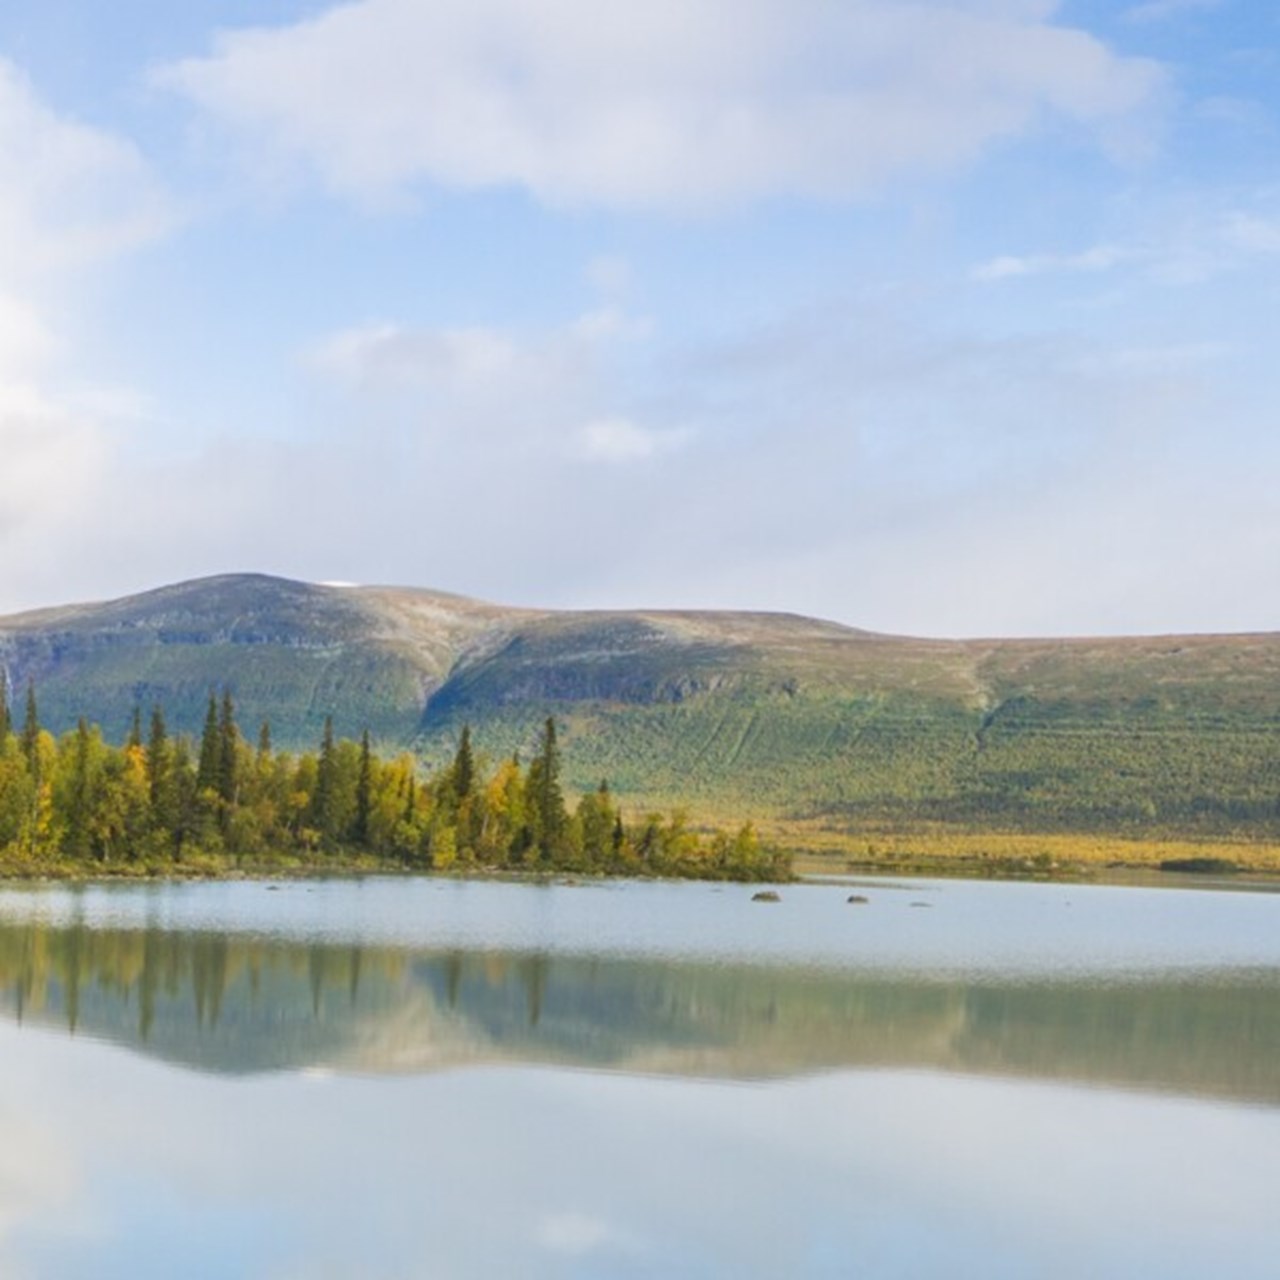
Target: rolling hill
[{"x": 783, "y": 718}]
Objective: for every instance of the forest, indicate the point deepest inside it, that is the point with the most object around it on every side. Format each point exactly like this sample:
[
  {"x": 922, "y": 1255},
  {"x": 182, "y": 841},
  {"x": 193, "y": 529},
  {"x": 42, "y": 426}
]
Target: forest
[{"x": 162, "y": 804}]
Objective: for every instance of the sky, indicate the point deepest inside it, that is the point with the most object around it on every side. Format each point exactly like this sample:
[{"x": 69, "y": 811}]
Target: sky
[{"x": 940, "y": 317}]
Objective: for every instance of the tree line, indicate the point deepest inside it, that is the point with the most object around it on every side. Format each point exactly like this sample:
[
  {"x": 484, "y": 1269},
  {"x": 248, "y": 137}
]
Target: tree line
[{"x": 161, "y": 800}]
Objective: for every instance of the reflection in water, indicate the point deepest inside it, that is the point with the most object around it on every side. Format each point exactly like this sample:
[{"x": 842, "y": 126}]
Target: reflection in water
[
  {"x": 236, "y": 1004},
  {"x": 295, "y": 1103}
]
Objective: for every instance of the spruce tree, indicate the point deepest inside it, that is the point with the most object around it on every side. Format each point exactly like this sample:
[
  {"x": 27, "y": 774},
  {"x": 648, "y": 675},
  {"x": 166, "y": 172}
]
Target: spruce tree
[
  {"x": 6, "y": 720},
  {"x": 77, "y": 802},
  {"x": 323, "y": 802},
  {"x": 134, "y": 740},
  {"x": 364, "y": 794},
  {"x": 157, "y": 750},
  {"x": 185, "y": 792},
  {"x": 228, "y": 738},
  {"x": 31, "y": 733},
  {"x": 160, "y": 776},
  {"x": 463, "y": 776},
  {"x": 210, "y": 753},
  {"x": 546, "y": 799}
]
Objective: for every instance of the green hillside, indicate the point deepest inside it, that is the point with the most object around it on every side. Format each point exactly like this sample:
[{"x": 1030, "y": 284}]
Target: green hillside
[{"x": 794, "y": 721}]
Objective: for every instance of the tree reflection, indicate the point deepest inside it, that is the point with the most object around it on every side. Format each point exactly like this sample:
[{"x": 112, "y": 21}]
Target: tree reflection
[{"x": 237, "y": 1003}]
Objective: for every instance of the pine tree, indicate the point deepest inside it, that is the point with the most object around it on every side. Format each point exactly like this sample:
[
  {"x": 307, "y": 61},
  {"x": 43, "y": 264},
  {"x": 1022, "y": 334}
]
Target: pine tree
[
  {"x": 463, "y": 774},
  {"x": 135, "y": 729},
  {"x": 31, "y": 732},
  {"x": 210, "y": 753},
  {"x": 228, "y": 739},
  {"x": 160, "y": 776},
  {"x": 264, "y": 742},
  {"x": 323, "y": 802},
  {"x": 77, "y": 802},
  {"x": 30, "y": 739},
  {"x": 157, "y": 751},
  {"x": 364, "y": 794},
  {"x": 6, "y": 720},
  {"x": 185, "y": 796},
  {"x": 546, "y": 799}
]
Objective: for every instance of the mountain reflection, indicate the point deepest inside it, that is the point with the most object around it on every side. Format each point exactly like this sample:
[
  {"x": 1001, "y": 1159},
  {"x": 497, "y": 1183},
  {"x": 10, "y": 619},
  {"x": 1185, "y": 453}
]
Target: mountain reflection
[{"x": 237, "y": 1004}]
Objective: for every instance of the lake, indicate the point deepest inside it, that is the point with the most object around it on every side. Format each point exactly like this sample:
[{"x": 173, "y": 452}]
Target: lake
[{"x": 442, "y": 1078}]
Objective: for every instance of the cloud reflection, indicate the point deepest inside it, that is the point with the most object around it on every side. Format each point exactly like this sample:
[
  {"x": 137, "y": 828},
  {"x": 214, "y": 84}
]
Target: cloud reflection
[{"x": 543, "y": 1172}]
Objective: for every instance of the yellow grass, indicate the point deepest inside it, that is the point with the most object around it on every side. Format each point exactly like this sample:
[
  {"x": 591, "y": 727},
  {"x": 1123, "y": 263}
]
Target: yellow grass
[
  {"x": 819, "y": 849},
  {"x": 818, "y": 844}
]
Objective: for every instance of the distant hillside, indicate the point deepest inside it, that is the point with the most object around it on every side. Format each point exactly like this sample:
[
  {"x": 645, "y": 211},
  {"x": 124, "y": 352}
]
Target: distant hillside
[{"x": 768, "y": 714}]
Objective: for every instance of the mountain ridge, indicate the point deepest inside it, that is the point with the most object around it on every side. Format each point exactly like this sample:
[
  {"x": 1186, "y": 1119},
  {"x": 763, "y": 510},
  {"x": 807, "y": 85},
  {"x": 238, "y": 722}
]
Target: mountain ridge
[
  {"x": 772, "y": 714},
  {"x": 46, "y": 613}
]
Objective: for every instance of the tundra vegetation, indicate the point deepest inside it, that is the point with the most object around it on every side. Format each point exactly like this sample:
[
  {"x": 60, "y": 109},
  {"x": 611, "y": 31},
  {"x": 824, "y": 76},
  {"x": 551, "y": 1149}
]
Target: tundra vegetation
[{"x": 163, "y": 804}]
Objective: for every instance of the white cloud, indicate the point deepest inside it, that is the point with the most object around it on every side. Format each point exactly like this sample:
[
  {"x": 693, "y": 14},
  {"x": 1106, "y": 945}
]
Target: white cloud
[
  {"x": 609, "y": 274},
  {"x": 1252, "y": 234},
  {"x": 1171, "y": 360},
  {"x": 1163, "y": 10},
  {"x": 69, "y": 194},
  {"x": 607, "y": 323},
  {"x": 463, "y": 368},
  {"x": 1245, "y": 114},
  {"x": 1099, "y": 258},
  {"x": 37, "y": 1177},
  {"x": 387, "y": 354},
  {"x": 50, "y": 459},
  {"x": 527, "y": 391},
  {"x": 868, "y": 465},
  {"x": 574, "y": 1234},
  {"x": 668, "y": 103},
  {"x": 479, "y": 429},
  {"x": 618, "y": 440},
  {"x": 1188, "y": 246},
  {"x": 25, "y": 340}
]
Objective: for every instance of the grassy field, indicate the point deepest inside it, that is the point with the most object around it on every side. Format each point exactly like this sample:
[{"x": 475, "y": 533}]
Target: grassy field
[{"x": 1003, "y": 853}]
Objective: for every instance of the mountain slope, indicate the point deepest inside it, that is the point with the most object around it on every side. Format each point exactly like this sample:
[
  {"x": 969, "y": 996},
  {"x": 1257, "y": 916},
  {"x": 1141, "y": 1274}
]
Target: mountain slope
[
  {"x": 772, "y": 715},
  {"x": 293, "y": 652}
]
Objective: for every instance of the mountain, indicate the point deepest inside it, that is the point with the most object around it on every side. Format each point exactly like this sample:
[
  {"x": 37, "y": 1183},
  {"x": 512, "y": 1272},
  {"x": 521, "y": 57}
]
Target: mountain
[{"x": 771, "y": 715}]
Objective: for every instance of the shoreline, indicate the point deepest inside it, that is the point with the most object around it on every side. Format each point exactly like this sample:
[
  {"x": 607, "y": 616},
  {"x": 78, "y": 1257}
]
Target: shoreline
[
  {"x": 265, "y": 873},
  {"x": 819, "y": 870}
]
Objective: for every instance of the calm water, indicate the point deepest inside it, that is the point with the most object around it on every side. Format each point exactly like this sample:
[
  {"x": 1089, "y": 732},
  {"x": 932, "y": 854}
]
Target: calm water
[{"x": 397, "y": 1078}]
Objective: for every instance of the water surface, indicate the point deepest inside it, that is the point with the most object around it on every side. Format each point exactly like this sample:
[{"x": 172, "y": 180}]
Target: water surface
[{"x": 424, "y": 1078}]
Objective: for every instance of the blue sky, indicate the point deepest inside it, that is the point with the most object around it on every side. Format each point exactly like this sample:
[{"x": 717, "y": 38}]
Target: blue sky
[{"x": 953, "y": 317}]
